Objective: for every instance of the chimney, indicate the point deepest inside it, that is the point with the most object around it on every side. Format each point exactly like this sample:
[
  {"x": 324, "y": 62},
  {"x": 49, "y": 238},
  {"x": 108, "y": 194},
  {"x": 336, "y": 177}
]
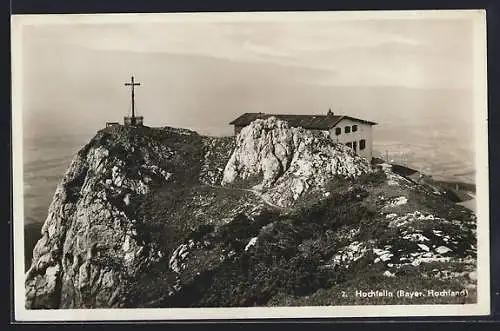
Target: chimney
[{"x": 330, "y": 113}]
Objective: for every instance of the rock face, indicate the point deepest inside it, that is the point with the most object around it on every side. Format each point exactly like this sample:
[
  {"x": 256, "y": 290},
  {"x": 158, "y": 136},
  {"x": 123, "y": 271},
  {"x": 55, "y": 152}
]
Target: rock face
[
  {"x": 90, "y": 245},
  {"x": 216, "y": 152},
  {"x": 290, "y": 161}
]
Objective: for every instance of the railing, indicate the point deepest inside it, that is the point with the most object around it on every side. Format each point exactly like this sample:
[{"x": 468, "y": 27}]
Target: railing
[
  {"x": 108, "y": 124},
  {"x": 137, "y": 120}
]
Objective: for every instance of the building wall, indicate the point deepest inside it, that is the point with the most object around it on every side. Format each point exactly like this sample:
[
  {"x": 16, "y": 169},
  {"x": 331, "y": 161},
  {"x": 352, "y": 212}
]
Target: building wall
[{"x": 364, "y": 132}]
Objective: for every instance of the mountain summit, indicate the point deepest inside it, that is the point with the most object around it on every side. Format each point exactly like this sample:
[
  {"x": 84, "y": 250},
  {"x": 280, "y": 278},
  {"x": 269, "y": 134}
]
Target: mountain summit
[
  {"x": 291, "y": 161},
  {"x": 164, "y": 217}
]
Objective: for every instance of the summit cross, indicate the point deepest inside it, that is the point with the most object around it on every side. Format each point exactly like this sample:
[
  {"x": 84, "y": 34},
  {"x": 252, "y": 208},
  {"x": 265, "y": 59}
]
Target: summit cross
[{"x": 132, "y": 85}]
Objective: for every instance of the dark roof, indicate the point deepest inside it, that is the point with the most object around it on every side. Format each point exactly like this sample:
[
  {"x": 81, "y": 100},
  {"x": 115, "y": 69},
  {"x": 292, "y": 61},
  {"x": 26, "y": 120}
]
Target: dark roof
[{"x": 316, "y": 122}]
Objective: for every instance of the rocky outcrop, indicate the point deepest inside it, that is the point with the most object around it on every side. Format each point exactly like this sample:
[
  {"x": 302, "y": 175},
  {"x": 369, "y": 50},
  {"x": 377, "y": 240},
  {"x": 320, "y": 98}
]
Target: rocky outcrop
[
  {"x": 216, "y": 152},
  {"x": 289, "y": 161},
  {"x": 90, "y": 245}
]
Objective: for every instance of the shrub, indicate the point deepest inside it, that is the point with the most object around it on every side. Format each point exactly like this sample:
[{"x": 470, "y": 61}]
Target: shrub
[{"x": 372, "y": 178}]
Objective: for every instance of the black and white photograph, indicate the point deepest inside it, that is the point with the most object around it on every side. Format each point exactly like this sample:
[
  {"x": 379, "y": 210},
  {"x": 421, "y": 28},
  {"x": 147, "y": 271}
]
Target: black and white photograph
[{"x": 250, "y": 165}]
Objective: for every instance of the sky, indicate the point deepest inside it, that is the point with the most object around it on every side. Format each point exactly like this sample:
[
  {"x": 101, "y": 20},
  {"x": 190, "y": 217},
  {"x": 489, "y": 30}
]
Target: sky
[{"x": 202, "y": 74}]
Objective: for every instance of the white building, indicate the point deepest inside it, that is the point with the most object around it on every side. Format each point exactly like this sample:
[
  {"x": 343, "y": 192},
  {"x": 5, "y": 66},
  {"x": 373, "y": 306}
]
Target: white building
[{"x": 353, "y": 132}]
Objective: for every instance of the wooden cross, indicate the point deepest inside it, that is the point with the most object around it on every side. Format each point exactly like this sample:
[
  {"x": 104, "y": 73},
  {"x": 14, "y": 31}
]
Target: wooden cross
[{"x": 132, "y": 84}]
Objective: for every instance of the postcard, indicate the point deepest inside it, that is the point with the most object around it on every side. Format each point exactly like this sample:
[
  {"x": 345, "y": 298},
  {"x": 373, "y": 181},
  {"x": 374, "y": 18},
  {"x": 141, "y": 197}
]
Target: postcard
[{"x": 250, "y": 165}]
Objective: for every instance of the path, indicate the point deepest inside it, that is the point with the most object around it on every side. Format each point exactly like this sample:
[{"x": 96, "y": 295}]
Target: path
[
  {"x": 255, "y": 192},
  {"x": 259, "y": 195}
]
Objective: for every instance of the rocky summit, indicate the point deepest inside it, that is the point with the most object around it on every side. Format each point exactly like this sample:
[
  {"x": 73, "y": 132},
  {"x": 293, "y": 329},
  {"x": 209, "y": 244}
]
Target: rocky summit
[
  {"x": 278, "y": 216},
  {"x": 289, "y": 161}
]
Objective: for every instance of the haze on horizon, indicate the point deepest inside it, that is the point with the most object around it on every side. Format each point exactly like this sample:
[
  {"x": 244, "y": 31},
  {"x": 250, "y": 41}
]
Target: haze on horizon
[{"x": 201, "y": 75}]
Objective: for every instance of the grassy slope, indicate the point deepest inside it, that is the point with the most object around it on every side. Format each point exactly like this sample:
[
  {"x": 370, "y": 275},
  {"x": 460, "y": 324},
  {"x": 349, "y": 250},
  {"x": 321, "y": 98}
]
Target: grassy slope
[
  {"x": 365, "y": 275},
  {"x": 289, "y": 265},
  {"x": 185, "y": 208}
]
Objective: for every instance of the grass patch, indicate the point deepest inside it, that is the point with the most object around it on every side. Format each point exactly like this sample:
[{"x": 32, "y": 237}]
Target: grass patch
[{"x": 277, "y": 262}]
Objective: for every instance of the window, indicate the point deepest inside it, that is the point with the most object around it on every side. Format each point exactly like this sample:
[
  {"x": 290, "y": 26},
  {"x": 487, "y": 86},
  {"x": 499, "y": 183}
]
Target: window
[
  {"x": 355, "y": 146},
  {"x": 354, "y": 128},
  {"x": 338, "y": 131},
  {"x": 349, "y": 145},
  {"x": 362, "y": 144},
  {"x": 347, "y": 129}
]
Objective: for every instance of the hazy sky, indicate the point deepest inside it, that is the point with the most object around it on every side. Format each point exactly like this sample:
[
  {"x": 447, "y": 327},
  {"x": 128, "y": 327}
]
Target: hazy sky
[{"x": 204, "y": 74}]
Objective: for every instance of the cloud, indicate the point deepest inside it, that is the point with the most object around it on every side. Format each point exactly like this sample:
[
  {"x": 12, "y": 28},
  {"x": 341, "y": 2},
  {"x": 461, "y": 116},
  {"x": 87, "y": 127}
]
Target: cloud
[
  {"x": 362, "y": 52},
  {"x": 265, "y": 50},
  {"x": 218, "y": 40}
]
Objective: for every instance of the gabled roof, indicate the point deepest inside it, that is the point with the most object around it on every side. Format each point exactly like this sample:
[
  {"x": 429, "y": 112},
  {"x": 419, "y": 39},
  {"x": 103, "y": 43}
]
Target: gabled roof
[{"x": 315, "y": 122}]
